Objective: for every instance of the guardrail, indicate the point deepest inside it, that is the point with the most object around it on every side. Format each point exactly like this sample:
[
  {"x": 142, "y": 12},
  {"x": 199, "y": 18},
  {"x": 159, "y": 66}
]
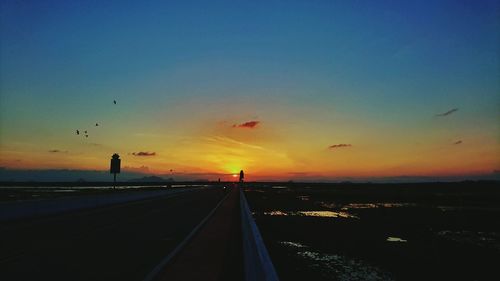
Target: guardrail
[{"x": 257, "y": 263}]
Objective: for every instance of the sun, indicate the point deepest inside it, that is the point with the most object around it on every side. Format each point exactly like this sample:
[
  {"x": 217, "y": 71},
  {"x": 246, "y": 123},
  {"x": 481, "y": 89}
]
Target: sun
[{"x": 235, "y": 175}]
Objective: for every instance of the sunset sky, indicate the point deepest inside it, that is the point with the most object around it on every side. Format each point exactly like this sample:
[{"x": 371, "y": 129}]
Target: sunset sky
[{"x": 280, "y": 89}]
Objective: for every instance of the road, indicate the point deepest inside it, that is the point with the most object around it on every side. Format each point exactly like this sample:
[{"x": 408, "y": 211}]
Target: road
[{"x": 121, "y": 242}]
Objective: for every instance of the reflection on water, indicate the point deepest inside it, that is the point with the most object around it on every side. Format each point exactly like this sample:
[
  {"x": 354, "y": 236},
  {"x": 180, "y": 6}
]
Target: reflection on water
[
  {"x": 467, "y": 208},
  {"x": 293, "y": 244},
  {"x": 350, "y": 206},
  {"x": 325, "y": 214},
  {"x": 377, "y": 205},
  {"x": 395, "y": 239},
  {"x": 478, "y": 238},
  {"x": 303, "y": 198},
  {"x": 58, "y": 188},
  {"x": 279, "y": 187},
  {"x": 336, "y": 267},
  {"x": 328, "y": 214},
  {"x": 276, "y": 213}
]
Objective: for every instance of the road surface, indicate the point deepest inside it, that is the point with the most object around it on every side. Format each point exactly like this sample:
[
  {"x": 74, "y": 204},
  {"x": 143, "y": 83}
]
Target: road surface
[{"x": 120, "y": 242}]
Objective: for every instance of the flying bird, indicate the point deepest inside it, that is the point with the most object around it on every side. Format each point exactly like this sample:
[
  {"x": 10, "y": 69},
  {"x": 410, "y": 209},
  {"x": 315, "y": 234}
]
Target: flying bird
[
  {"x": 114, "y": 101},
  {"x": 96, "y": 124},
  {"x": 77, "y": 132},
  {"x": 451, "y": 111},
  {"x": 86, "y": 136},
  {"x": 85, "y": 131}
]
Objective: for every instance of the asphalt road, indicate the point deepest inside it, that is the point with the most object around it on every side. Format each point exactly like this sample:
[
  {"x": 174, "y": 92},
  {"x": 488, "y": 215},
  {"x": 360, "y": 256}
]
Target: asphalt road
[{"x": 121, "y": 242}]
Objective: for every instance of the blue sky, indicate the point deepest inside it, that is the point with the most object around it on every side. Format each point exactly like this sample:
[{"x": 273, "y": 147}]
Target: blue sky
[{"x": 341, "y": 70}]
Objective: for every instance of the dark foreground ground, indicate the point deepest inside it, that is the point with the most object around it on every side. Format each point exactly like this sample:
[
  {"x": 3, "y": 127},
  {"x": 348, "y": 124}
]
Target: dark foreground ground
[
  {"x": 380, "y": 232},
  {"x": 120, "y": 242}
]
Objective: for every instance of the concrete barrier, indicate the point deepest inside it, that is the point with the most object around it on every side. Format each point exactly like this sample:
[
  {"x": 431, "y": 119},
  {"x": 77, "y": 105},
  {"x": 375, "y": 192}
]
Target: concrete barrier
[{"x": 257, "y": 263}]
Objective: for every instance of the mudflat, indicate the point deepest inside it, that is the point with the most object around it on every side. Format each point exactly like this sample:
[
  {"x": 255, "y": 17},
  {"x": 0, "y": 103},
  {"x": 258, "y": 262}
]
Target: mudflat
[{"x": 427, "y": 231}]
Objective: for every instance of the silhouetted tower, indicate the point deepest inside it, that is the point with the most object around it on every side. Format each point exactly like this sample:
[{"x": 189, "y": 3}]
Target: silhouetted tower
[
  {"x": 242, "y": 176},
  {"x": 115, "y": 167}
]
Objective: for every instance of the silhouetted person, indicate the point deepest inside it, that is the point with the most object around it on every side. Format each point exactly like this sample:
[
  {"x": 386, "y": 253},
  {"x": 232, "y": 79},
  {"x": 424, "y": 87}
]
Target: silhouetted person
[
  {"x": 242, "y": 176},
  {"x": 115, "y": 167}
]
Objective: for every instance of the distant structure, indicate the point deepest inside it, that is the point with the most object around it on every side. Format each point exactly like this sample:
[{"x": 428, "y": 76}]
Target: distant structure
[
  {"x": 115, "y": 167},
  {"x": 242, "y": 176}
]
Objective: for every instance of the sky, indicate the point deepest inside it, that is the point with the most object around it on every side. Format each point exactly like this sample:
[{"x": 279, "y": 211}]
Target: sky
[{"x": 280, "y": 89}]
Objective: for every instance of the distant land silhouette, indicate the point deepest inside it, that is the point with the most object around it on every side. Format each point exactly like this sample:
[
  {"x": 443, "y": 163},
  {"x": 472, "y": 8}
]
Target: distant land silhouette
[
  {"x": 151, "y": 179},
  {"x": 68, "y": 175}
]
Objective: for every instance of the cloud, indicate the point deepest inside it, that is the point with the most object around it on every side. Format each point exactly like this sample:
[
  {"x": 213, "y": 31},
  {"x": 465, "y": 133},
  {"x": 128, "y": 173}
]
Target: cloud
[
  {"x": 249, "y": 124},
  {"x": 340, "y": 145},
  {"x": 57, "y": 151},
  {"x": 458, "y": 142},
  {"x": 447, "y": 112},
  {"x": 226, "y": 141},
  {"x": 144, "y": 153}
]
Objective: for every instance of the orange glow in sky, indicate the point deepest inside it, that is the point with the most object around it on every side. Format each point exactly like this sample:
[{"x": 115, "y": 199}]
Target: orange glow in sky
[{"x": 298, "y": 90}]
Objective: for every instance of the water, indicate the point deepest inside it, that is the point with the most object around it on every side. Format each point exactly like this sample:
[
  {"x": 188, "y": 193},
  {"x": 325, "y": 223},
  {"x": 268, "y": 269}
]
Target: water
[
  {"x": 353, "y": 206},
  {"x": 336, "y": 266},
  {"x": 395, "y": 239},
  {"x": 476, "y": 238},
  {"x": 323, "y": 214}
]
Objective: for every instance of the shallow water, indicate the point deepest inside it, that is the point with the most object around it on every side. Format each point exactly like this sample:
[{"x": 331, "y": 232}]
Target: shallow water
[
  {"x": 334, "y": 266},
  {"x": 477, "y": 238},
  {"x": 395, "y": 239},
  {"x": 323, "y": 214},
  {"x": 351, "y": 206}
]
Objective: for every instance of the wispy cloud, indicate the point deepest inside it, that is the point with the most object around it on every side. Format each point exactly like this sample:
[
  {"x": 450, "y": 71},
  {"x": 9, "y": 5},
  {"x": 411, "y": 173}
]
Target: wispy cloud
[
  {"x": 458, "y": 142},
  {"x": 249, "y": 125},
  {"x": 57, "y": 151},
  {"x": 340, "y": 145},
  {"x": 144, "y": 153},
  {"x": 229, "y": 141},
  {"x": 451, "y": 111}
]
